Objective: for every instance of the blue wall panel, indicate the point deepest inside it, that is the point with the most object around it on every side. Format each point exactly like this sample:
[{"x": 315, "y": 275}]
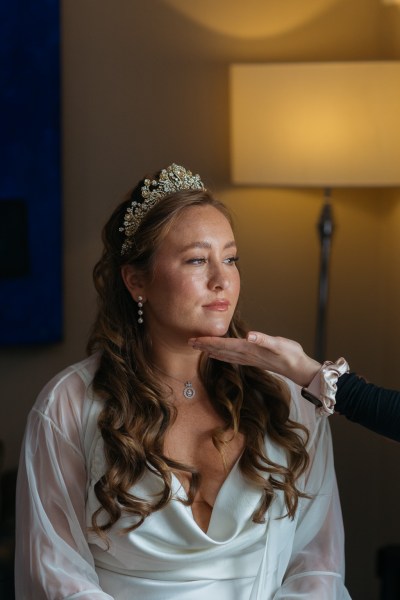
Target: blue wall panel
[{"x": 30, "y": 179}]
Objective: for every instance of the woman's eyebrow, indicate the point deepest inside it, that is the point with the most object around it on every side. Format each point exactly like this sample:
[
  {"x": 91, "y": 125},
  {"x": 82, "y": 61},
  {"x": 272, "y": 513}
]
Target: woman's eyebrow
[{"x": 206, "y": 245}]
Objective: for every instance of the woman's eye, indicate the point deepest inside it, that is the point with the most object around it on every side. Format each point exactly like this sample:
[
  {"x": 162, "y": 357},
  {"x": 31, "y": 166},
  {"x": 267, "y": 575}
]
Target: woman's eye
[
  {"x": 197, "y": 261},
  {"x": 231, "y": 260}
]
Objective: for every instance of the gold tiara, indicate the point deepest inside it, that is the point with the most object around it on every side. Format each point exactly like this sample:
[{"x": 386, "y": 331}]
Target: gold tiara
[{"x": 172, "y": 179}]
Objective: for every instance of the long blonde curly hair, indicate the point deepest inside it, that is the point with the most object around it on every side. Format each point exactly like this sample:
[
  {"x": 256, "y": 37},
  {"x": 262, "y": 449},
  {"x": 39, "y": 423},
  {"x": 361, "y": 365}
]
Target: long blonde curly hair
[{"x": 137, "y": 414}]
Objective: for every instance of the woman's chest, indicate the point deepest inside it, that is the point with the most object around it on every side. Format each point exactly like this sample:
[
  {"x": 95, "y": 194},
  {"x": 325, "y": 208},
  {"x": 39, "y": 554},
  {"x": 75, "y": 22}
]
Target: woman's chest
[
  {"x": 197, "y": 438},
  {"x": 198, "y": 441}
]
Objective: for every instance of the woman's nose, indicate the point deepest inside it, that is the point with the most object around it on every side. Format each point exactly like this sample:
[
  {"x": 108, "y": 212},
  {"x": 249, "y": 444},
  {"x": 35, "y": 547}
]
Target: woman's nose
[{"x": 218, "y": 279}]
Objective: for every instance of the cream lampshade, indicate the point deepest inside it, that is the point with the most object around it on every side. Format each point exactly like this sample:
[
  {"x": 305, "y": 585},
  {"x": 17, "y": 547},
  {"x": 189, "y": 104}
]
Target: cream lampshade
[{"x": 316, "y": 124}]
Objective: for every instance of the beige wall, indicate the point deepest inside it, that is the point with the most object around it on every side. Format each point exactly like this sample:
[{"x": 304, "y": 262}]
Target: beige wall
[{"x": 144, "y": 84}]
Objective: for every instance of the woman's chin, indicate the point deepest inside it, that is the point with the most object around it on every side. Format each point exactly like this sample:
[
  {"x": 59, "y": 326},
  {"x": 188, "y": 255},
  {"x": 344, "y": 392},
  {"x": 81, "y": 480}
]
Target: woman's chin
[{"x": 212, "y": 331}]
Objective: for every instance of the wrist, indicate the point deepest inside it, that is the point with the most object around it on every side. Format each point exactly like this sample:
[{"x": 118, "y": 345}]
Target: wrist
[{"x": 305, "y": 371}]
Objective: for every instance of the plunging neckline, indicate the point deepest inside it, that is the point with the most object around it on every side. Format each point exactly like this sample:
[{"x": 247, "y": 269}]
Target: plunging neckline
[{"x": 181, "y": 492}]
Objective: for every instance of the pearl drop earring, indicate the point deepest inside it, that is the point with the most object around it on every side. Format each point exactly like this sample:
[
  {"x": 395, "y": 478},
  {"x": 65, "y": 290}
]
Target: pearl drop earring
[{"x": 140, "y": 311}]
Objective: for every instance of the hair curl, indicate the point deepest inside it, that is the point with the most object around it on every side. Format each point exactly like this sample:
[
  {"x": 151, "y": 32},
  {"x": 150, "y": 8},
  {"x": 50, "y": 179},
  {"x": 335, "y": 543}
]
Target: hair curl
[{"x": 136, "y": 414}]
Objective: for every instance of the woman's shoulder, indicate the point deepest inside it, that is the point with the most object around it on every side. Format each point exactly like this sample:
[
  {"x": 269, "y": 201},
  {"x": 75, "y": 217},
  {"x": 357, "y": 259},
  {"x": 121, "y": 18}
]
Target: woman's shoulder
[{"x": 66, "y": 396}]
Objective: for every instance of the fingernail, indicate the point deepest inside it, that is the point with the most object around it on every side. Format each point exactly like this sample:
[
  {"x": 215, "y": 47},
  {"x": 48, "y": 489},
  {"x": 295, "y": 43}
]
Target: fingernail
[{"x": 252, "y": 337}]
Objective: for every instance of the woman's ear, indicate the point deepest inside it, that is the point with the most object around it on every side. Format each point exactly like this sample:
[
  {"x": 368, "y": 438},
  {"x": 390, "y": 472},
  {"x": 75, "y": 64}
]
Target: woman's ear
[{"x": 133, "y": 280}]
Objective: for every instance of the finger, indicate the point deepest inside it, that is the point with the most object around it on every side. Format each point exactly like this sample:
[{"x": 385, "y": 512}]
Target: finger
[
  {"x": 204, "y": 341},
  {"x": 232, "y": 350},
  {"x": 261, "y": 339},
  {"x": 214, "y": 343}
]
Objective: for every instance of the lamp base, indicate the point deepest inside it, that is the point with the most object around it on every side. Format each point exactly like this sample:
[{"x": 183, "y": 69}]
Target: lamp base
[{"x": 325, "y": 229}]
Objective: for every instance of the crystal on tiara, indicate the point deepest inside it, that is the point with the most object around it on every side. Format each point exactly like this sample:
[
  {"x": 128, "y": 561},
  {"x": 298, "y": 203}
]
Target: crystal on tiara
[{"x": 172, "y": 179}]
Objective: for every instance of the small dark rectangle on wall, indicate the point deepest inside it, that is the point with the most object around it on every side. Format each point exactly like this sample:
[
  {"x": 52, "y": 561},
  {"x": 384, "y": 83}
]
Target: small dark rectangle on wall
[{"x": 14, "y": 244}]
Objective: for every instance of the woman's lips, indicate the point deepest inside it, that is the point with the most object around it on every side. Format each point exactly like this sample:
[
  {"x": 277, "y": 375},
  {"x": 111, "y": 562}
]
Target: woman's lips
[{"x": 218, "y": 305}]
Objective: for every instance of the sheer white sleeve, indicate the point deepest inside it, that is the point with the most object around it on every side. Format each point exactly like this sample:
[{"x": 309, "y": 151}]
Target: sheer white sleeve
[
  {"x": 316, "y": 566},
  {"x": 53, "y": 560}
]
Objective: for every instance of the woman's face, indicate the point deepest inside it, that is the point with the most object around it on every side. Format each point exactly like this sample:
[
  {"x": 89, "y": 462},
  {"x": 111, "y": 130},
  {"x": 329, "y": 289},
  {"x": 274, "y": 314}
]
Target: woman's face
[{"x": 194, "y": 287}]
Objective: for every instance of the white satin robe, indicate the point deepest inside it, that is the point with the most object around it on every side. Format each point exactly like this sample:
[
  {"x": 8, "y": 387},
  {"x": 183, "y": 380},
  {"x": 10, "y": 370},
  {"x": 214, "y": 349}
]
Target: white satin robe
[{"x": 168, "y": 557}]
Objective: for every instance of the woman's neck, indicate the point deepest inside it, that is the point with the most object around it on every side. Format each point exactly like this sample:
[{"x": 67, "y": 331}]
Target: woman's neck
[{"x": 181, "y": 362}]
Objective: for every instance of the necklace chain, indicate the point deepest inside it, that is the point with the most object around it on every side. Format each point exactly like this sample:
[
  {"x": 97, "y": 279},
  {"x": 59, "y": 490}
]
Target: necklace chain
[{"x": 188, "y": 390}]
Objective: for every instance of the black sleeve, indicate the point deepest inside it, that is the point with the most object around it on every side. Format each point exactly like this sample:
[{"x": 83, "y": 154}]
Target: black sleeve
[{"x": 373, "y": 407}]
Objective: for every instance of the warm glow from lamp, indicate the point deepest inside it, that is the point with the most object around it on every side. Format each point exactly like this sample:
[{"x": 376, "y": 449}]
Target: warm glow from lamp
[
  {"x": 317, "y": 124},
  {"x": 257, "y": 19}
]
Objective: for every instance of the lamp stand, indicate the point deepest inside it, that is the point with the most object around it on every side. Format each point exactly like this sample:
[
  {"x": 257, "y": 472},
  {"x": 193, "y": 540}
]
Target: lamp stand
[{"x": 325, "y": 228}]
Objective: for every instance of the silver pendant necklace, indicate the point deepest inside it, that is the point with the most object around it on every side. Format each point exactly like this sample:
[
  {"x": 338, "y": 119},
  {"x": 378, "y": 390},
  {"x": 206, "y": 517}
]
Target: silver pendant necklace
[{"x": 188, "y": 391}]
